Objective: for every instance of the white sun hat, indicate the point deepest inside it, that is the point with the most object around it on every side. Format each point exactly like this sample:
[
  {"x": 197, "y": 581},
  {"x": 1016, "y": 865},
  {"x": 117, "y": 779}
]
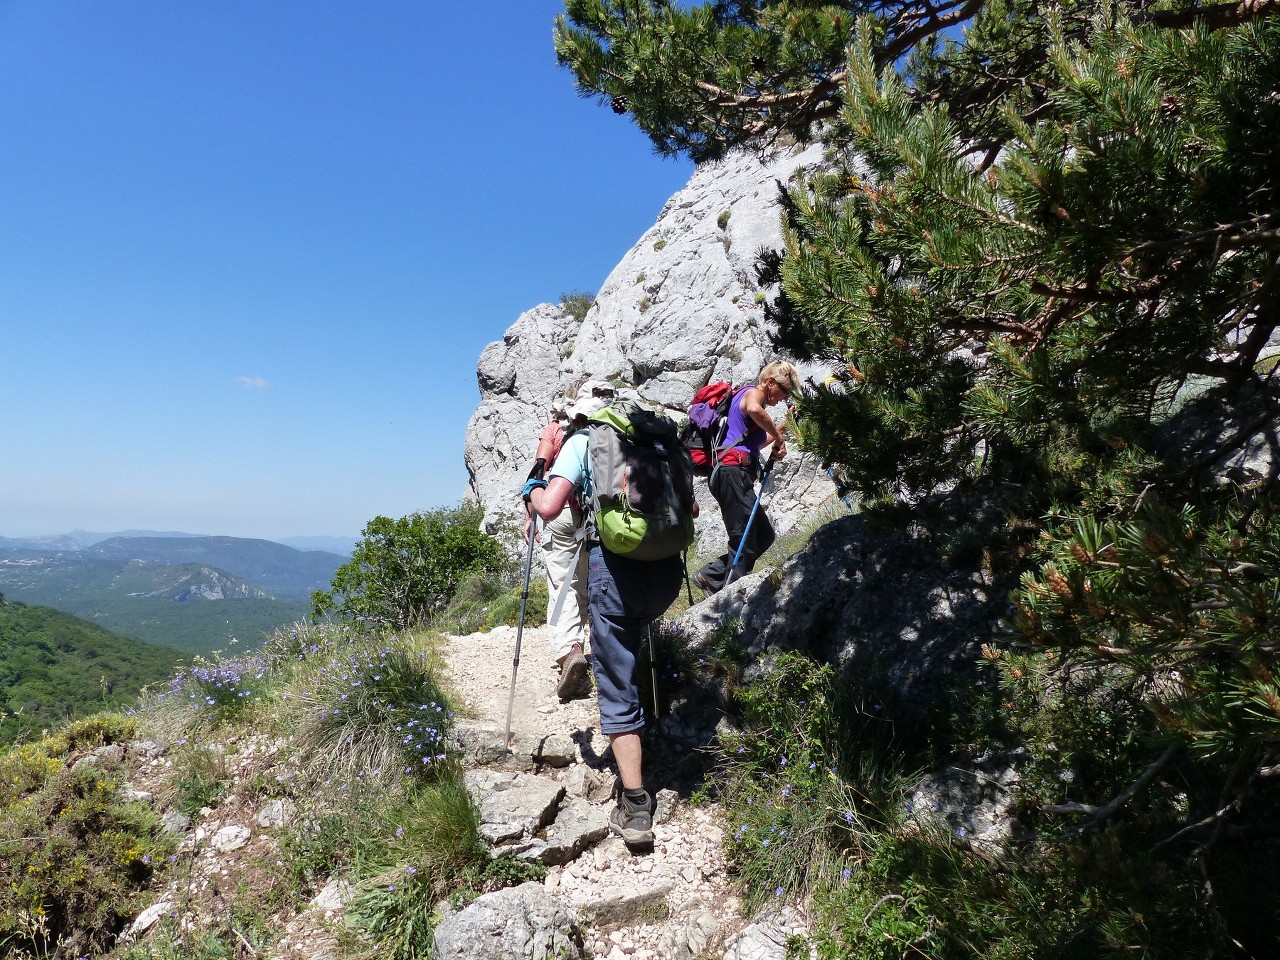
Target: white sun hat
[{"x": 593, "y": 396}]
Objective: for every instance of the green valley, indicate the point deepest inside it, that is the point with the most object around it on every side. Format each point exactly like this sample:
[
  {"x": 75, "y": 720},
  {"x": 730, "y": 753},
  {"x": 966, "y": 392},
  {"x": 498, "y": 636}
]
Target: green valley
[
  {"x": 55, "y": 667},
  {"x": 197, "y": 594}
]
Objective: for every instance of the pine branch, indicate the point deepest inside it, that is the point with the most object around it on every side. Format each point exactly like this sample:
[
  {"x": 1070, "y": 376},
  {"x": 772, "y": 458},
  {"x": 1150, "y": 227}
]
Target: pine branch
[
  {"x": 1215, "y": 17},
  {"x": 1099, "y": 814},
  {"x": 1210, "y": 820},
  {"x": 1088, "y": 293},
  {"x": 1226, "y": 236},
  {"x": 933, "y": 20}
]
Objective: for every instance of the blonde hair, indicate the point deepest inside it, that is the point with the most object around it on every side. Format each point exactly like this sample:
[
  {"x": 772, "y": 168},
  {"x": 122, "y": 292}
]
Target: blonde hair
[{"x": 781, "y": 372}]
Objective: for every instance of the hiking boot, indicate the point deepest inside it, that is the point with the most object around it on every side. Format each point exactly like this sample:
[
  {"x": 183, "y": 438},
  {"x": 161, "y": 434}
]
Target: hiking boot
[
  {"x": 573, "y": 675},
  {"x": 633, "y": 822},
  {"x": 703, "y": 583}
]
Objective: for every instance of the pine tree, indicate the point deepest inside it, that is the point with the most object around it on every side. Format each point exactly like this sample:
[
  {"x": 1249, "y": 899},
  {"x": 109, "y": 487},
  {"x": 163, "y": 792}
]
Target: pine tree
[{"x": 1046, "y": 249}]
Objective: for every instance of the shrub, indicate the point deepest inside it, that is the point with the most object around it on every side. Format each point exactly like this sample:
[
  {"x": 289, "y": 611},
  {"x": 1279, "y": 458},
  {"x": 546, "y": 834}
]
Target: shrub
[
  {"x": 76, "y": 856},
  {"x": 25, "y": 769},
  {"x": 220, "y": 690},
  {"x": 815, "y": 801},
  {"x": 483, "y": 603},
  {"x": 405, "y": 571},
  {"x": 98, "y": 730},
  {"x": 374, "y": 711},
  {"x": 789, "y": 807},
  {"x": 577, "y": 303},
  {"x": 292, "y": 645}
]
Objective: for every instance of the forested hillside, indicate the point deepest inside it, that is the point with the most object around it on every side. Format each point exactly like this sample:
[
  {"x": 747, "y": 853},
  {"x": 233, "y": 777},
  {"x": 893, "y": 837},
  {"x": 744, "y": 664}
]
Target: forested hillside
[
  {"x": 196, "y": 593},
  {"x": 283, "y": 572},
  {"x": 55, "y": 667}
]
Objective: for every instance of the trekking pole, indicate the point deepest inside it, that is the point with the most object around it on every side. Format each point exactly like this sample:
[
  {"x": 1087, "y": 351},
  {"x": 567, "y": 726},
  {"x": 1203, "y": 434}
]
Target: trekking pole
[
  {"x": 515, "y": 661},
  {"x": 742, "y": 542},
  {"x": 653, "y": 670}
]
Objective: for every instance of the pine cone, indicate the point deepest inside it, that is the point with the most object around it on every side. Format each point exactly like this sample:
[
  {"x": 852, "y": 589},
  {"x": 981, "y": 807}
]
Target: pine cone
[
  {"x": 1059, "y": 584},
  {"x": 620, "y": 103}
]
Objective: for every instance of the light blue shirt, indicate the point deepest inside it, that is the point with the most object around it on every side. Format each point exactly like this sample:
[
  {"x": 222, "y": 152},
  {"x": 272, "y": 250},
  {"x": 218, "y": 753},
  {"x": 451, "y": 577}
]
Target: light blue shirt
[{"x": 574, "y": 462}]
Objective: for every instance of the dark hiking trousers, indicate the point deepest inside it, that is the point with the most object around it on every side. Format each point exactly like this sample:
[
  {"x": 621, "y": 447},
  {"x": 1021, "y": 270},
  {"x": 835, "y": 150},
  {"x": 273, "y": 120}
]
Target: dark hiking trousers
[
  {"x": 734, "y": 488},
  {"x": 623, "y": 597}
]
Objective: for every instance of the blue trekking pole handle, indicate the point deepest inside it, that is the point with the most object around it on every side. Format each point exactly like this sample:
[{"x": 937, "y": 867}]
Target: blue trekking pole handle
[{"x": 742, "y": 542}]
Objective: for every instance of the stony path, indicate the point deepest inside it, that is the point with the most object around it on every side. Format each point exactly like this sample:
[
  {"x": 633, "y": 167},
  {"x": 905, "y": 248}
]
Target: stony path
[
  {"x": 480, "y": 670},
  {"x": 672, "y": 902}
]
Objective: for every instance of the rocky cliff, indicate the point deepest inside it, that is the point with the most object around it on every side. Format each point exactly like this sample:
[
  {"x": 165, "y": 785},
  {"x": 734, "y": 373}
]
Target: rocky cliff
[{"x": 681, "y": 309}]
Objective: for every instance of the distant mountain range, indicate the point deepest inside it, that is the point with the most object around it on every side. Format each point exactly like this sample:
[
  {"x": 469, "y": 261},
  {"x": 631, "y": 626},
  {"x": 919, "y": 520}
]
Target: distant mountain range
[
  {"x": 198, "y": 594},
  {"x": 79, "y": 539},
  {"x": 283, "y": 572}
]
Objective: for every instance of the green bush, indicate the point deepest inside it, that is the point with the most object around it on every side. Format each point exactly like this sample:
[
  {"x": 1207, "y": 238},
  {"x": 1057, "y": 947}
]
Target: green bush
[
  {"x": 76, "y": 858},
  {"x": 404, "y": 572},
  {"x": 483, "y": 603},
  {"x": 299, "y": 643},
  {"x": 98, "y": 730},
  {"x": 577, "y": 303},
  {"x": 816, "y": 804},
  {"x": 787, "y": 797},
  {"x": 374, "y": 711}
]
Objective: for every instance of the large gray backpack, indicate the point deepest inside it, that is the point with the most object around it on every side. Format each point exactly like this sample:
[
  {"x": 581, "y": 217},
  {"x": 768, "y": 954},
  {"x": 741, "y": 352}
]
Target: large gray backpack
[{"x": 641, "y": 500}]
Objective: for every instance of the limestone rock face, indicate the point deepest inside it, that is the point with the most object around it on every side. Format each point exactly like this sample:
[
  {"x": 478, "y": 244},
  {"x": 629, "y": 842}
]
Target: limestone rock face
[
  {"x": 899, "y": 616},
  {"x": 681, "y": 309}
]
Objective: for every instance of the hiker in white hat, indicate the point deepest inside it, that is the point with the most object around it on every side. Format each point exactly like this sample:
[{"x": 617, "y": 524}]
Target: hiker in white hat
[{"x": 561, "y": 556}]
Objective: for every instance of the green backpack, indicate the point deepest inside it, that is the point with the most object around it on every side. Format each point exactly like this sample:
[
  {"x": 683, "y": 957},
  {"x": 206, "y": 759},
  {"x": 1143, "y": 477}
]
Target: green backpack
[{"x": 641, "y": 501}]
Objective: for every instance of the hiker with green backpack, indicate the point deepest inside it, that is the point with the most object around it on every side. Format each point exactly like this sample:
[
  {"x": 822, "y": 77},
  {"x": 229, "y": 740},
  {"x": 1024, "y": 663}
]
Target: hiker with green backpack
[
  {"x": 736, "y": 469},
  {"x": 635, "y": 479}
]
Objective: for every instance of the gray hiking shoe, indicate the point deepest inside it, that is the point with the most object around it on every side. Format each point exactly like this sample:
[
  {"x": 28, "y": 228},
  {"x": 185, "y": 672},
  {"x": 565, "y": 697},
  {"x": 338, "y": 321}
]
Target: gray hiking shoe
[
  {"x": 573, "y": 676},
  {"x": 633, "y": 822}
]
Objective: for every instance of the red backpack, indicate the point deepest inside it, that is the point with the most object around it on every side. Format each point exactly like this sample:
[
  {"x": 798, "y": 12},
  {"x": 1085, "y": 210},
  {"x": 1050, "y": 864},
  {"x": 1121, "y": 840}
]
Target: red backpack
[{"x": 704, "y": 431}]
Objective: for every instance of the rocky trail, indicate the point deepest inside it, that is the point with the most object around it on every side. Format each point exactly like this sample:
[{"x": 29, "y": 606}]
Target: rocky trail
[{"x": 673, "y": 902}]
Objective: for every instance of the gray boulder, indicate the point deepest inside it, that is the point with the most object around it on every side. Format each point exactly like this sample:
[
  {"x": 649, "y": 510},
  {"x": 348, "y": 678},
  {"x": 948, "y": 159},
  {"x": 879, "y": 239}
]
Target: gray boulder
[
  {"x": 974, "y": 801},
  {"x": 902, "y": 617},
  {"x": 518, "y": 923},
  {"x": 512, "y": 805}
]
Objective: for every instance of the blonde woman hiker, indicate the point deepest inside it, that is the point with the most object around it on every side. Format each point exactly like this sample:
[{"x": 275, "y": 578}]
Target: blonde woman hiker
[
  {"x": 560, "y": 553},
  {"x": 750, "y": 429}
]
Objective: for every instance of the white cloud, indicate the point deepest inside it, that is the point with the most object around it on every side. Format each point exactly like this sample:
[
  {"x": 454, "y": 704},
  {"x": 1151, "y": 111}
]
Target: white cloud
[{"x": 252, "y": 383}]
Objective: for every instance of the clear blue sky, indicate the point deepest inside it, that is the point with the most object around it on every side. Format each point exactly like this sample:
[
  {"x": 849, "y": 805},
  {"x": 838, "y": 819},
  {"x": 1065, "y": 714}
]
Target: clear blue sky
[{"x": 250, "y": 251}]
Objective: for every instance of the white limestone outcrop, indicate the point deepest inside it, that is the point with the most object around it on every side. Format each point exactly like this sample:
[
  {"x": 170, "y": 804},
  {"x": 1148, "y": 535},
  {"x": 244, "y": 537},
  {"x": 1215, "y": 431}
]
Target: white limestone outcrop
[{"x": 681, "y": 309}]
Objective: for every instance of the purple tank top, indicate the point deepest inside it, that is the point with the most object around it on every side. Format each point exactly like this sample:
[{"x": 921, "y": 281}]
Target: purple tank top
[{"x": 740, "y": 426}]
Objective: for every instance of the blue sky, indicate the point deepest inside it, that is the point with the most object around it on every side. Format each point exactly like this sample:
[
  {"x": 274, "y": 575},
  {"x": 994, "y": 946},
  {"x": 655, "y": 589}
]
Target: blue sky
[{"x": 251, "y": 250}]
